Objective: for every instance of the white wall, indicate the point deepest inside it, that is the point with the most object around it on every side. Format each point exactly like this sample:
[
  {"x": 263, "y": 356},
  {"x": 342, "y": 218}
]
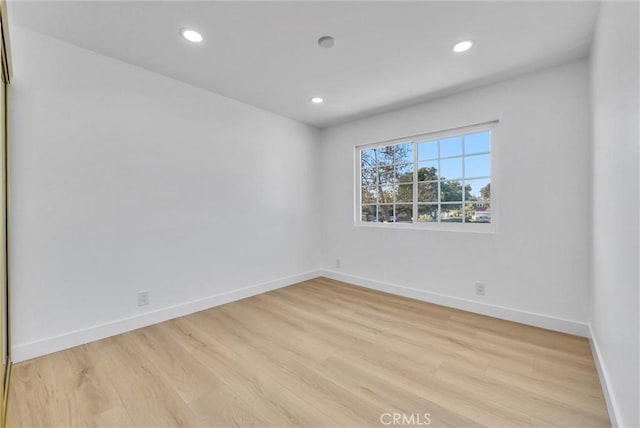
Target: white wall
[
  {"x": 539, "y": 261},
  {"x": 125, "y": 180},
  {"x": 615, "y": 100}
]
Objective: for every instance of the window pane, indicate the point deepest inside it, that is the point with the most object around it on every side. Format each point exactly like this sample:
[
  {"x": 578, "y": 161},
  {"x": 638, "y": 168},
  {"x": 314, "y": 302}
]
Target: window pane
[
  {"x": 428, "y": 192},
  {"x": 469, "y": 211},
  {"x": 451, "y": 168},
  {"x": 428, "y": 171},
  {"x": 478, "y": 212},
  {"x": 404, "y": 153},
  {"x": 477, "y": 166},
  {"x": 386, "y": 174},
  {"x": 451, "y": 191},
  {"x": 404, "y": 213},
  {"x": 405, "y": 193},
  {"x": 368, "y": 176},
  {"x": 404, "y": 172},
  {"x": 385, "y": 155},
  {"x": 478, "y": 190},
  {"x": 451, "y": 147},
  {"x": 428, "y": 150},
  {"x": 385, "y": 213},
  {"x": 367, "y": 159},
  {"x": 427, "y": 213},
  {"x": 386, "y": 194},
  {"x": 369, "y": 194},
  {"x": 451, "y": 213},
  {"x": 369, "y": 213},
  {"x": 476, "y": 143}
]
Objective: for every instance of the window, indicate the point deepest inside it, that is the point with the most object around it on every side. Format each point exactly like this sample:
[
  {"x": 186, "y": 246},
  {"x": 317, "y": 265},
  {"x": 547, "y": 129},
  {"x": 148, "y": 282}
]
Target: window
[{"x": 432, "y": 179}]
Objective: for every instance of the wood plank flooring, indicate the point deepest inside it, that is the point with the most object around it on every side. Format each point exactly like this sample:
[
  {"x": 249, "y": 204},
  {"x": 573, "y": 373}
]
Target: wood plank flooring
[{"x": 316, "y": 354}]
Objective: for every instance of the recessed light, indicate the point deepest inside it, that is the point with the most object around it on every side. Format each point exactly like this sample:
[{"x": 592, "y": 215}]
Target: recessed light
[
  {"x": 326, "y": 42},
  {"x": 317, "y": 100},
  {"x": 462, "y": 46},
  {"x": 191, "y": 35}
]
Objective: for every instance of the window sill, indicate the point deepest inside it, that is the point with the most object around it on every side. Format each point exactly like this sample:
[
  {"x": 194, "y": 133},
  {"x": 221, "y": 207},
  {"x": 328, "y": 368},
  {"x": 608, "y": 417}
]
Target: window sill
[{"x": 434, "y": 227}]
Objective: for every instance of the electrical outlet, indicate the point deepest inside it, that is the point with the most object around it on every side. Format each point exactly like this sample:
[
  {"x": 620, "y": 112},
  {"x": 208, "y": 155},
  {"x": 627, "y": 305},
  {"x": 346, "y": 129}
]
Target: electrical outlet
[
  {"x": 480, "y": 289},
  {"x": 338, "y": 263},
  {"x": 143, "y": 298}
]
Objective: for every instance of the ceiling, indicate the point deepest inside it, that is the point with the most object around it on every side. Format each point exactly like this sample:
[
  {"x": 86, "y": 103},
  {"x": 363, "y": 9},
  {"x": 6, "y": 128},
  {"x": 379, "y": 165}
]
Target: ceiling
[{"x": 387, "y": 54}]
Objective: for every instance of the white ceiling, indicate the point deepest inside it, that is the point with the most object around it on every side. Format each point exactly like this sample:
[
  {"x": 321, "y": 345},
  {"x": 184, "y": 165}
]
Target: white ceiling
[{"x": 387, "y": 54}]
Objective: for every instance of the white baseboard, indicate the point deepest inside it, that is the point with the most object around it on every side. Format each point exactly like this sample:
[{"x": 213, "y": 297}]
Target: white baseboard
[
  {"x": 52, "y": 344},
  {"x": 26, "y": 351},
  {"x": 531, "y": 318},
  {"x": 609, "y": 396}
]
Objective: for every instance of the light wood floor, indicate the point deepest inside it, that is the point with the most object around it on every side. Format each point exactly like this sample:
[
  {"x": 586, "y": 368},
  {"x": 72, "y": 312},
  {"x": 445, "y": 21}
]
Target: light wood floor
[{"x": 316, "y": 354}]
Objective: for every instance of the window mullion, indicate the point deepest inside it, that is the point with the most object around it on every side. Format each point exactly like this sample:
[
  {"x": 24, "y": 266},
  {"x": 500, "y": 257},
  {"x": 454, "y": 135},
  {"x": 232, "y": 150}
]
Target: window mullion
[
  {"x": 379, "y": 187},
  {"x": 464, "y": 184},
  {"x": 394, "y": 184},
  {"x": 439, "y": 187},
  {"x": 415, "y": 182}
]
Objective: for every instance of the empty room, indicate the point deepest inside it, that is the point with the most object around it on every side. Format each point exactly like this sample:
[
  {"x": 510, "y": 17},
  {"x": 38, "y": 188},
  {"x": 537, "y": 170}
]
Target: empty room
[{"x": 320, "y": 213}]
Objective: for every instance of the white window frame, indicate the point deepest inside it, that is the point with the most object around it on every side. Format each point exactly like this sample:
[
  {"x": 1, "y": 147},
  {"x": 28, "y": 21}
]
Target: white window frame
[{"x": 436, "y": 226}]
